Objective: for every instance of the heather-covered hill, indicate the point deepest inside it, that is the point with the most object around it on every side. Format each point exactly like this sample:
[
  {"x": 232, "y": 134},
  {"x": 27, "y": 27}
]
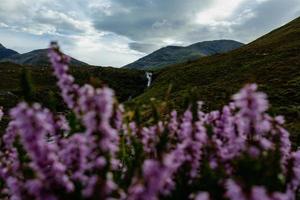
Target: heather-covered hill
[
  {"x": 126, "y": 83},
  {"x": 272, "y": 61}
]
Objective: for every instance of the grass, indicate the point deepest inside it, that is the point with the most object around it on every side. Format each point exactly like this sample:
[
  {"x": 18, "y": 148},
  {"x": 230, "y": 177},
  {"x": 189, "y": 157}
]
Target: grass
[
  {"x": 272, "y": 61},
  {"x": 126, "y": 83}
]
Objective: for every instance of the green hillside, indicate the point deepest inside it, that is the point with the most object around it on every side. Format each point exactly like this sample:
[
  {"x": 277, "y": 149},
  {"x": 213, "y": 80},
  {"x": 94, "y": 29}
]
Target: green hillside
[
  {"x": 272, "y": 61},
  {"x": 126, "y": 83}
]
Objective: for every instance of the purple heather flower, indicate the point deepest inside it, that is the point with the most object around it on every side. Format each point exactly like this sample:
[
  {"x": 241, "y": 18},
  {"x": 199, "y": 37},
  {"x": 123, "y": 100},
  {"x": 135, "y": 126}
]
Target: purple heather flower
[
  {"x": 173, "y": 124},
  {"x": 251, "y": 105},
  {"x": 33, "y": 125},
  {"x": 118, "y": 121},
  {"x": 155, "y": 177},
  {"x": 202, "y": 196},
  {"x": 249, "y": 100},
  {"x": 265, "y": 143},
  {"x": 74, "y": 152},
  {"x": 234, "y": 191},
  {"x": 15, "y": 188},
  {"x": 259, "y": 193},
  {"x": 295, "y": 182},
  {"x": 133, "y": 128},
  {"x": 186, "y": 126},
  {"x": 95, "y": 104},
  {"x": 10, "y": 135},
  {"x": 229, "y": 144},
  {"x": 9, "y": 165},
  {"x": 90, "y": 186},
  {"x": 254, "y": 151},
  {"x": 195, "y": 144},
  {"x": 65, "y": 81},
  {"x": 158, "y": 176},
  {"x": 62, "y": 123},
  {"x": 285, "y": 147},
  {"x": 149, "y": 139},
  {"x": 282, "y": 196}
]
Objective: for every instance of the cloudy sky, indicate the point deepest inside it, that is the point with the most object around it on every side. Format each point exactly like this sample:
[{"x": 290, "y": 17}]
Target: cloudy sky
[{"x": 117, "y": 32}]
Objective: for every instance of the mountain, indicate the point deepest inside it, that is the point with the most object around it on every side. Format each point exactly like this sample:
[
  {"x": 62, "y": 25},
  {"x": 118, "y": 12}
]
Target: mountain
[
  {"x": 176, "y": 54},
  {"x": 272, "y": 61},
  {"x": 6, "y": 53},
  {"x": 37, "y": 58}
]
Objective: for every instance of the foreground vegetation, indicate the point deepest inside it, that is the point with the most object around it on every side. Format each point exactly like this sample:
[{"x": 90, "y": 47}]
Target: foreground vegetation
[{"x": 239, "y": 152}]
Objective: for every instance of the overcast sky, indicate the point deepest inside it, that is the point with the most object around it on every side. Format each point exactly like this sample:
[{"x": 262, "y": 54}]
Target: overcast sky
[{"x": 117, "y": 32}]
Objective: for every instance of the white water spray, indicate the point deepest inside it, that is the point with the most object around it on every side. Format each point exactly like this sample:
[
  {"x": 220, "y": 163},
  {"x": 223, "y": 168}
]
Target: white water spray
[{"x": 149, "y": 77}]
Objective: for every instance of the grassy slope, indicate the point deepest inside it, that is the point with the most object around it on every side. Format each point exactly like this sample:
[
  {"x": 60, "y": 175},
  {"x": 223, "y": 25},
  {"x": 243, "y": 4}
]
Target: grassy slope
[
  {"x": 272, "y": 61},
  {"x": 125, "y": 82}
]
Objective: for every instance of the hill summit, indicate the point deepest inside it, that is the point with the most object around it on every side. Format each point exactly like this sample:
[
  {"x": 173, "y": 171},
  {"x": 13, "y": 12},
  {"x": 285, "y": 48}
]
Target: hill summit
[
  {"x": 6, "y": 53},
  {"x": 37, "y": 58},
  {"x": 176, "y": 54}
]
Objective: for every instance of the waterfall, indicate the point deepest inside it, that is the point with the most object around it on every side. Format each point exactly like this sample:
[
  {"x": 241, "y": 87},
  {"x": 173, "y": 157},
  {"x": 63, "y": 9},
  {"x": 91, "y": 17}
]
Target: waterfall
[{"x": 149, "y": 77}]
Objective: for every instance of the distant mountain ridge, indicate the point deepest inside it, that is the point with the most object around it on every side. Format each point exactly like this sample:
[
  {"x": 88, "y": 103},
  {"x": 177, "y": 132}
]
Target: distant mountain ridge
[
  {"x": 37, "y": 58},
  {"x": 6, "y": 53},
  {"x": 176, "y": 54}
]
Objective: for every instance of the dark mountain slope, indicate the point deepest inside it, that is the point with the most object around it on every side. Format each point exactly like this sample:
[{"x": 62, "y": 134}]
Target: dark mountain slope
[
  {"x": 176, "y": 54},
  {"x": 126, "y": 83},
  {"x": 6, "y": 53},
  {"x": 272, "y": 61},
  {"x": 37, "y": 58}
]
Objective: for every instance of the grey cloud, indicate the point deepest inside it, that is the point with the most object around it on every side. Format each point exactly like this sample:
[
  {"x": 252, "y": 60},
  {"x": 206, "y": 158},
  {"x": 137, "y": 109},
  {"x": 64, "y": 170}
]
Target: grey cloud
[
  {"x": 268, "y": 16},
  {"x": 143, "y": 47},
  {"x": 149, "y": 19},
  {"x": 148, "y": 23},
  {"x": 63, "y": 23},
  {"x": 141, "y": 25},
  {"x": 44, "y": 16}
]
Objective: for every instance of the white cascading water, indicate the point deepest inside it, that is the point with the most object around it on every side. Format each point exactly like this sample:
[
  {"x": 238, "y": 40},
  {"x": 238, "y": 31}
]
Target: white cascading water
[{"x": 149, "y": 77}]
